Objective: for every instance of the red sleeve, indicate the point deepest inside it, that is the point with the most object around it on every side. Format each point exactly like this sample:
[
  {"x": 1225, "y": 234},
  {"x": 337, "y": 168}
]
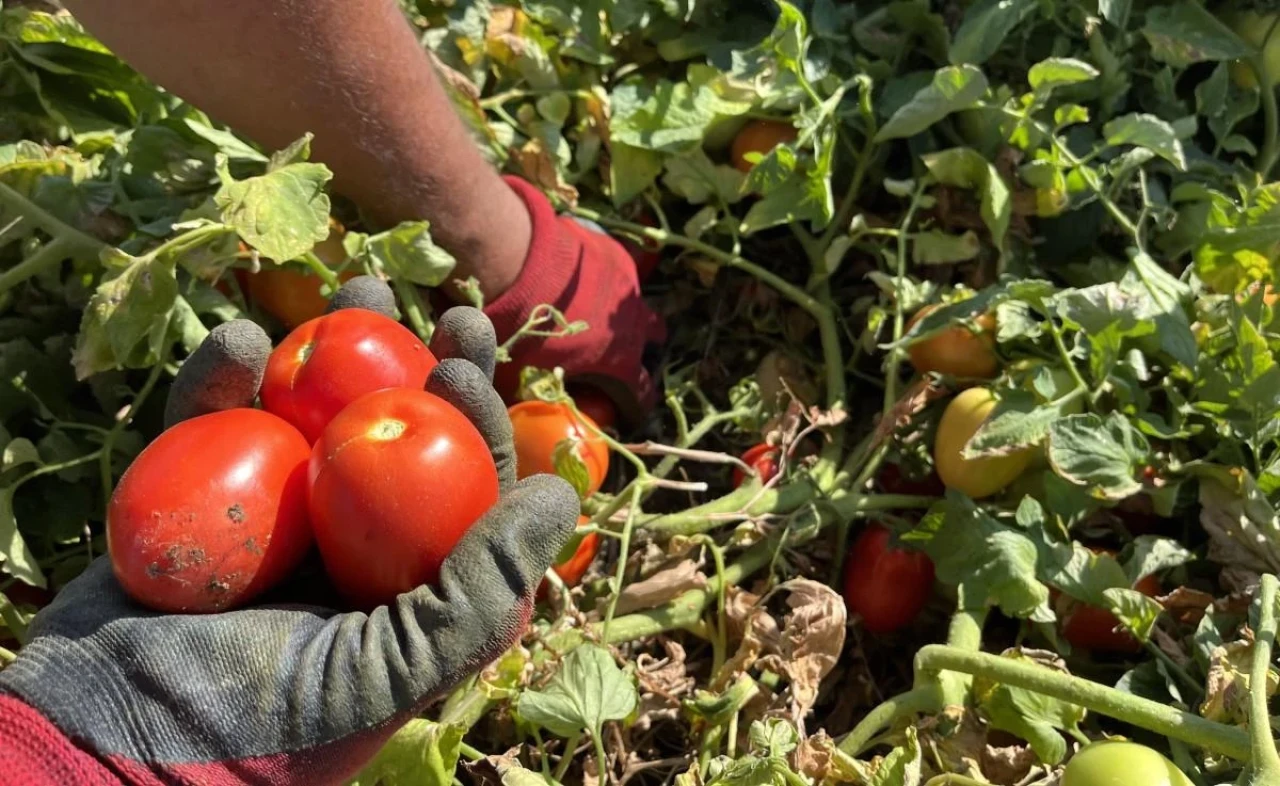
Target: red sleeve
[{"x": 34, "y": 753}]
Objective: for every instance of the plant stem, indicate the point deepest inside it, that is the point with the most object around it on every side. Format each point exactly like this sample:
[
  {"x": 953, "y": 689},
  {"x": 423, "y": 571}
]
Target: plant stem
[
  {"x": 952, "y": 779},
  {"x": 321, "y": 270},
  {"x": 13, "y": 202},
  {"x": 413, "y": 307},
  {"x": 917, "y": 700},
  {"x": 1265, "y": 760},
  {"x": 624, "y": 550},
  {"x": 108, "y": 443},
  {"x": 566, "y": 758},
  {"x": 50, "y": 254},
  {"x": 900, "y": 272},
  {"x": 965, "y": 633},
  {"x": 1144, "y": 713},
  {"x": 602, "y": 762}
]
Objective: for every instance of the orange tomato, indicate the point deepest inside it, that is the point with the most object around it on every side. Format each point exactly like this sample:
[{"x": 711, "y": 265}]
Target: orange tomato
[
  {"x": 538, "y": 427},
  {"x": 759, "y": 136},
  {"x": 956, "y": 350},
  {"x": 291, "y": 295},
  {"x": 574, "y": 559}
]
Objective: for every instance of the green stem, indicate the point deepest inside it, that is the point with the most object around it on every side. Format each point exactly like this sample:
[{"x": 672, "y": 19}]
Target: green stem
[
  {"x": 715, "y": 513},
  {"x": 953, "y": 779},
  {"x": 49, "y": 255},
  {"x": 965, "y": 633},
  {"x": 1265, "y": 760},
  {"x": 900, "y": 272},
  {"x": 624, "y": 551},
  {"x": 1144, "y": 713},
  {"x": 469, "y": 752},
  {"x": 414, "y": 308},
  {"x": 13, "y": 202},
  {"x": 566, "y": 758},
  {"x": 918, "y": 700},
  {"x": 602, "y": 766},
  {"x": 108, "y": 443},
  {"x": 1267, "y": 157},
  {"x": 321, "y": 270}
]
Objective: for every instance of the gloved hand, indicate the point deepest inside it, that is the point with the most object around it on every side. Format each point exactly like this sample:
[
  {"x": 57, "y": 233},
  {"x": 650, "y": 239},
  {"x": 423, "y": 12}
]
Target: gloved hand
[
  {"x": 589, "y": 276},
  {"x": 286, "y": 693}
]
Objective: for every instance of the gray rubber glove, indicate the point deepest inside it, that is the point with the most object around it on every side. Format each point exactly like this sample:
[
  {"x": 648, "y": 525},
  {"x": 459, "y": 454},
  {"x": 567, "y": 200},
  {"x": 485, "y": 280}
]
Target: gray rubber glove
[{"x": 291, "y": 693}]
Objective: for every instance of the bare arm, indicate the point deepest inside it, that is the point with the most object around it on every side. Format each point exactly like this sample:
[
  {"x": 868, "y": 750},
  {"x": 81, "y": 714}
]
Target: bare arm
[{"x": 352, "y": 73}]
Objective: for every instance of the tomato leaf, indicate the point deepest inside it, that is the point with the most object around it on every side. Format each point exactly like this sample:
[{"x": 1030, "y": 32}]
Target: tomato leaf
[
  {"x": 124, "y": 323},
  {"x": 1103, "y": 455},
  {"x": 934, "y": 247},
  {"x": 407, "y": 251},
  {"x": 1018, "y": 421},
  {"x": 1058, "y": 72},
  {"x": 282, "y": 213},
  {"x": 1036, "y": 718},
  {"x": 952, "y": 88},
  {"x": 588, "y": 690},
  {"x": 1147, "y": 131},
  {"x": 420, "y": 753},
  {"x": 569, "y": 465},
  {"x": 696, "y": 178},
  {"x": 1152, "y": 554},
  {"x": 985, "y": 26},
  {"x": 1136, "y": 610},
  {"x": 16, "y": 556},
  {"x": 966, "y": 168},
  {"x": 1186, "y": 32}
]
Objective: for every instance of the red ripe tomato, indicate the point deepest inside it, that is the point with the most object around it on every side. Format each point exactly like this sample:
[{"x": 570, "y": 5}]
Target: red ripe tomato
[
  {"x": 538, "y": 427},
  {"x": 396, "y": 479},
  {"x": 1095, "y": 628},
  {"x": 595, "y": 405},
  {"x": 335, "y": 359},
  {"x": 763, "y": 458},
  {"x": 212, "y": 513},
  {"x": 574, "y": 559},
  {"x": 894, "y": 481},
  {"x": 885, "y": 586}
]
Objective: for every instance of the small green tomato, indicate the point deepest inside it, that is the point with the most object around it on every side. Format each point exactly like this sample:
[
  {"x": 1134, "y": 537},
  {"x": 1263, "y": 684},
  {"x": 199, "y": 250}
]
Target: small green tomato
[{"x": 1117, "y": 763}]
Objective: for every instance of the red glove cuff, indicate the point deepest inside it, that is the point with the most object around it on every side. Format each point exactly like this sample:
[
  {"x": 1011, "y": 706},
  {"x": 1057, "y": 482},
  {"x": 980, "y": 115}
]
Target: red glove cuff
[
  {"x": 34, "y": 753},
  {"x": 589, "y": 276}
]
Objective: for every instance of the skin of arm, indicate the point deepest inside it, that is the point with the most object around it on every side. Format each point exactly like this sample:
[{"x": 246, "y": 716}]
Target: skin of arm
[{"x": 352, "y": 73}]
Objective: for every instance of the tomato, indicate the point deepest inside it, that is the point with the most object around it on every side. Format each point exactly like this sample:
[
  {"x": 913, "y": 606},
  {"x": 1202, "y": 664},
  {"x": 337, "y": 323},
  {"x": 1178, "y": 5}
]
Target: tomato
[
  {"x": 1120, "y": 763},
  {"x": 956, "y": 350},
  {"x": 212, "y": 513},
  {"x": 538, "y": 427},
  {"x": 885, "y": 586},
  {"x": 396, "y": 479},
  {"x": 894, "y": 481},
  {"x": 759, "y": 136},
  {"x": 595, "y": 405},
  {"x": 289, "y": 294},
  {"x": 331, "y": 361},
  {"x": 978, "y": 477},
  {"x": 763, "y": 458},
  {"x": 1253, "y": 28},
  {"x": 1095, "y": 628},
  {"x": 574, "y": 559}
]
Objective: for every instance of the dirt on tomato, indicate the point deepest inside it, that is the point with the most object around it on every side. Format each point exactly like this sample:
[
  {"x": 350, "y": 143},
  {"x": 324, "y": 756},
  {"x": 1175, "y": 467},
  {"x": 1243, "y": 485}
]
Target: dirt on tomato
[
  {"x": 212, "y": 513},
  {"x": 386, "y": 500}
]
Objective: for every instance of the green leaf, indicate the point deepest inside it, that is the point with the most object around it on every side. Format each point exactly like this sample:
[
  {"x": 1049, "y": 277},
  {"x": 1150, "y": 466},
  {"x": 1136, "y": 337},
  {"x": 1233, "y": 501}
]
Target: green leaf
[
  {"x": 967, "y": 168},
  {"x": 667, "y": 117},
  {"x": 1060, "y": 71},
  {"x": 1102, "y": 455},
  {"x": 588, "y": 690},
  {"x": 1116, "y": 11},
  {"x": 1152, "y": 554},
  {"x": 18, "y": 452},
  {"x": 804, "y": 196},
  {"x": 994, "y": 565},
  {"x": 1185, "y": 32},
  {"x": 1034, "y": 717},
  {"x": 421, "y": 753},
  {"x": 124, "y": 323},
  {"x": 933, "y": 247},
  {"x": 1137, "y": 611},
  {"x": 699, "y": 180},
  {"x": 632, "y": 170},
  {"x": 569, "y": 465},
  {"x": 774, "y": 737},
  {"x": 986, "y": 24},
  {"x": 283, "y": 213},
  {"x": 953, "y": 88},
  {"x": 296, "y": 153},
  {"x": 1147, "y": 131},
  {"x": 1018, "y": 421},
  {"x": 15, "y": 555},
  {"x": 406, "y": 251}
]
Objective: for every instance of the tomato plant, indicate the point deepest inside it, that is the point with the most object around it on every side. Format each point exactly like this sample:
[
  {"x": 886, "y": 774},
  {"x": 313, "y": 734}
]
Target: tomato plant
[
  {"x": 759, "y": 136},
  {"x": 762, "y": 458},
  {"x": 978, "y": 477},
  {"x": 885, "y": 586},
  {"x": 1095, "y": 628},
  {"x": 212, "y": 513},
  {"x": 538, "y": 427},
  {"x": 1256, "y": 28},
  {"x": 384, "y": 513},
  {"x": 1121, "y": 763},
  {"x": 956, "y": 350},
  {"x": 329, "y": 362}
]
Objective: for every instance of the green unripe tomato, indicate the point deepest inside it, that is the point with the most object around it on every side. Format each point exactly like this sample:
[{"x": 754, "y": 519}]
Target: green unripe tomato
[
  {"x": 1117, "y": 763},
  {"x": 1253, "y": 28}
]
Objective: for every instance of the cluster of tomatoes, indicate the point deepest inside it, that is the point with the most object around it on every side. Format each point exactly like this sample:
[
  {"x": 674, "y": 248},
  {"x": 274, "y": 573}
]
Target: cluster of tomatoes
[{"x": 348, "y": 452}]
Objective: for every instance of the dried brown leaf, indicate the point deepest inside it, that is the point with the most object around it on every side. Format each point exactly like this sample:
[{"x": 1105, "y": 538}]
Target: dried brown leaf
[
  {"x": 539, "y": 167},
  {"x": 811, "y": 641},
  {"x": 1007, "y": 764},
  {"x": 912, "y": 402},
  {"x": 661, "y": 587},
  {"x": 813, "y": 756},
  {"x": 1227, "y": 685},
  {"x": 1187, "y": 605}
]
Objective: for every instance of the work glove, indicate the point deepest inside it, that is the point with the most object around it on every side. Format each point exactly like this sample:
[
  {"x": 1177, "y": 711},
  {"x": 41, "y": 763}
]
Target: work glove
[
  {"x": 288, "y": 693},
  {"x": 588, "y": 276}
]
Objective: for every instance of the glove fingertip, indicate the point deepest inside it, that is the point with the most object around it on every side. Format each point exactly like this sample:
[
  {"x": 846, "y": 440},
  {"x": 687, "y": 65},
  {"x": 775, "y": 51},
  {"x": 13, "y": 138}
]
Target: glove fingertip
[
  {"x": 466, "y": 332},
  {"x": 367, "y": 292},
  {"x": 462, "y": 384},
  {"x": 225, "y": 372}
]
